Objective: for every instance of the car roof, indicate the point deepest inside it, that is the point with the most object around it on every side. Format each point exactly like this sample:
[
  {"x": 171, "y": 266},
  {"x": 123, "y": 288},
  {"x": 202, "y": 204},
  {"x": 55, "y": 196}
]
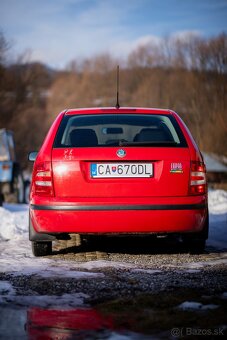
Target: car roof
[{"x": 123, "y": 110}]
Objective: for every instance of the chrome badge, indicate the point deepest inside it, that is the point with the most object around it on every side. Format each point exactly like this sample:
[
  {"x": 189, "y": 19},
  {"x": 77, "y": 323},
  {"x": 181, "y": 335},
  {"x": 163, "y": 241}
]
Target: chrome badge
[{"x": 121, "y": 153}]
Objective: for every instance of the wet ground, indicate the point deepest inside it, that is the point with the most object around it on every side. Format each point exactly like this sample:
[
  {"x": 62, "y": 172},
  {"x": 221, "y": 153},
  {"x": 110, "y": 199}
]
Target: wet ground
[{"x": 119, "y": 288}]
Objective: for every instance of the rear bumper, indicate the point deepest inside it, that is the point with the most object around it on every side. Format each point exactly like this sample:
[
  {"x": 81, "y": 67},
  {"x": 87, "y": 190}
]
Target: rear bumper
[{"x": 163, "y": 215}]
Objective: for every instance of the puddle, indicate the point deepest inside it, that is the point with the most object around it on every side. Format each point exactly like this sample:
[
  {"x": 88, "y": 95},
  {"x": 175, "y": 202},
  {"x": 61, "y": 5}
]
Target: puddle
[
  {"x": 146, "y": 316},
  {"x": 12, "y": 323},
  {"x": 80, "y": 323}
]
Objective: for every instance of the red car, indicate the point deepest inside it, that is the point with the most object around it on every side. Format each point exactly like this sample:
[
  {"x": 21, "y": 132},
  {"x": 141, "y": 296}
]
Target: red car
[{"x": 121, "y": 171}]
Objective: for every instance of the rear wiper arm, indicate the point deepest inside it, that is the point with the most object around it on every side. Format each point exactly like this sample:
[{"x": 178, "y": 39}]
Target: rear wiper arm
[{"x": 148, "y": 143}]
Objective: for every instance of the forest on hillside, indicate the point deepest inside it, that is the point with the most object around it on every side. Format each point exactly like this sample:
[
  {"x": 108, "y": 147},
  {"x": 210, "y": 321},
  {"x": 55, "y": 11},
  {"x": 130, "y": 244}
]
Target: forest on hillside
[{"x": 188, "y": 76}]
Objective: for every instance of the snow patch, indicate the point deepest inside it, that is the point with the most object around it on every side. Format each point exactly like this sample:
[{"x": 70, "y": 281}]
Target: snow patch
[
  {"x": 16, "y": 257},
  {"x": 194, "y": 306},
  {"x": 69, "y": 273},
  {"x": 104, "y": 264},
  {"x": 46, "y": 301},
  {"x": 146, "y": 271},
  {"x": 199, "y": 265},
  {"x": 13, "y": 224},
  {"x": 6, "y": 288},
  {"x": 217, "y": 200}
]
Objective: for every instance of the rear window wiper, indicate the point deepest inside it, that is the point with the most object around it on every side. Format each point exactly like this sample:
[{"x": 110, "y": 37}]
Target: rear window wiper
[{"x": 148, "y": 143}]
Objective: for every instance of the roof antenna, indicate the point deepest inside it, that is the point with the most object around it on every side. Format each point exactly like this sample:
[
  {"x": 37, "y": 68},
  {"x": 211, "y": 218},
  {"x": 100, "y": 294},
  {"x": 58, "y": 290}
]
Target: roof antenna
[{"x": 117, "y": 104}]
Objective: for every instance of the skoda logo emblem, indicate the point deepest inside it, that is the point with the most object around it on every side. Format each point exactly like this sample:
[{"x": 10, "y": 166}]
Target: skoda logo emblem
[{"x": 121, "y": 153}]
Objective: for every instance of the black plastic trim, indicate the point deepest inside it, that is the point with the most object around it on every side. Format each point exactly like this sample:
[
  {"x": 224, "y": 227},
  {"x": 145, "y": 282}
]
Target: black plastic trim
[{"x": 118, "y": 207}]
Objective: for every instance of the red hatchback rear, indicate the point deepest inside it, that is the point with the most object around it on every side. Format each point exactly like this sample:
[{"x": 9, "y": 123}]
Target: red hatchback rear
[{"x": 118, "y": 170}]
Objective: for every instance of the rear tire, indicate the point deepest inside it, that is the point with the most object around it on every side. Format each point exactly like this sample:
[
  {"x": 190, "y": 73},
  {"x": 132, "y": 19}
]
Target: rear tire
[
  {"x": 196, "y": 242},
  {"x": 41, "y": 248},
  {"x": 195, "y": 246}
]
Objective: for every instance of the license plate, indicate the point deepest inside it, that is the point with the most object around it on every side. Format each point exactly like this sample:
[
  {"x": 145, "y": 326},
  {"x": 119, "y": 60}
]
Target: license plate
[{"x": 121, "y": 170}]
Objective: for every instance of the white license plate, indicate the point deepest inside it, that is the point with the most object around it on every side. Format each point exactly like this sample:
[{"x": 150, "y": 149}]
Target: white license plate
[{"x": 118, "y": 170}]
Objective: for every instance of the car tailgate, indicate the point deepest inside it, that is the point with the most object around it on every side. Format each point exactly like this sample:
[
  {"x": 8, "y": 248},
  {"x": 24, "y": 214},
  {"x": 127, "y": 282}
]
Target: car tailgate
[{"x": 72, "y": 172}]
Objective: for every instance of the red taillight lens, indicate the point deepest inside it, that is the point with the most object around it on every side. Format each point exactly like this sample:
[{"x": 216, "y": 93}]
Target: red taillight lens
[
  {"x": 198, "y": 184},
  {"x": 42, "y": 179}
]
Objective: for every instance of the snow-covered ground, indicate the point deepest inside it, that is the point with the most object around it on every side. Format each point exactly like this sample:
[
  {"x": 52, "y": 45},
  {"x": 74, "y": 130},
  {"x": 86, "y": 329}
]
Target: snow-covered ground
[
  {"x": 16, "y": 256},
  {"x": 218, "y": 219}
]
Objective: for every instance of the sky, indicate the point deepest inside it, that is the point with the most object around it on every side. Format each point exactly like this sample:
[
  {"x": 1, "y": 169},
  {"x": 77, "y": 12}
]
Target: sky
[{"x": 56, "y": 32}]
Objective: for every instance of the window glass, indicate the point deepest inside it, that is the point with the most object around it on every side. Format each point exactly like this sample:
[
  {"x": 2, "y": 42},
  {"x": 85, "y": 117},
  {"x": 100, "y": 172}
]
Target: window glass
[{"x": 119, "y": 130}]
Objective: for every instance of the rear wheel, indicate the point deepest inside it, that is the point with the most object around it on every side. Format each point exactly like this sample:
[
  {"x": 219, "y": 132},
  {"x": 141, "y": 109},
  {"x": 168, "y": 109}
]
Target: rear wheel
[{"x": 41, "y": 248}]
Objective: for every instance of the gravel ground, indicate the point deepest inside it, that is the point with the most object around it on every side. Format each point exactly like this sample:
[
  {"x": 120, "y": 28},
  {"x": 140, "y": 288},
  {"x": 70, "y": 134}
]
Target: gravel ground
[
  {"x": 119, "y": 283},
  {"x": 144, "y": 265}
]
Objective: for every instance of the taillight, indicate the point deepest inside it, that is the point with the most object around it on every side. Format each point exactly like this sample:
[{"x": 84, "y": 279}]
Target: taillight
[
  {"x": 198, "y": 185},
  {"x": 42, "y": 179}
]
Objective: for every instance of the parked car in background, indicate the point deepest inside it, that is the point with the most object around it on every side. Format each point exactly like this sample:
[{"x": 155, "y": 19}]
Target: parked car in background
[
  {"x": 118, "y": 171},
  {"x": 12, "y": 186}
]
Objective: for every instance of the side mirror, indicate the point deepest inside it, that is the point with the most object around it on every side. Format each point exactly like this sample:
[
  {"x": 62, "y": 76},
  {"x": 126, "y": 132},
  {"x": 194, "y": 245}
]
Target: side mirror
[{"x": 32, "y": 156}]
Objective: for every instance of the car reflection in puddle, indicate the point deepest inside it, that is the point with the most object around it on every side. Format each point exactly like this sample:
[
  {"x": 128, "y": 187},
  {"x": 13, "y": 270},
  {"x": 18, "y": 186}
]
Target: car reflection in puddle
[{"x": 77, "y": 323}]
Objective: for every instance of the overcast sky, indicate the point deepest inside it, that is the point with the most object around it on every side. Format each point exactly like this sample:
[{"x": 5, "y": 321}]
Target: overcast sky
[{"x": 57, "y": 31}]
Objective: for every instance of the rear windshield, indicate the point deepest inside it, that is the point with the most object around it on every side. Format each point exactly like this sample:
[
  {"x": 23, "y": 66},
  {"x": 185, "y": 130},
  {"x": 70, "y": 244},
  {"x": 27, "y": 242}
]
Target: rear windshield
[{"x": 109, "y": 130}]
